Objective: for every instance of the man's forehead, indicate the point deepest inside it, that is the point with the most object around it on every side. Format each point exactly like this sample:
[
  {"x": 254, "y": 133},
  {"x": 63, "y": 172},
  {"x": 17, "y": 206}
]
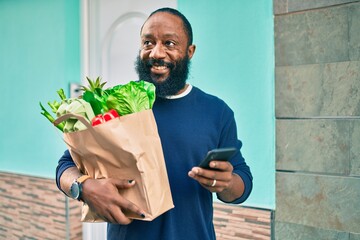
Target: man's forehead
[
  {"x": 163, "y": 20},
  {"x": 163, "y": 15},
  {"x": 165, "y": 35}
]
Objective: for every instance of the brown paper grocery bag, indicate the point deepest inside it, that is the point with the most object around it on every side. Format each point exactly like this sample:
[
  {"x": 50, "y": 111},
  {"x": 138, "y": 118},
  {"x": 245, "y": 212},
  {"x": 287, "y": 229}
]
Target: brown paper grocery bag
[{"x": 128, "y": 147}]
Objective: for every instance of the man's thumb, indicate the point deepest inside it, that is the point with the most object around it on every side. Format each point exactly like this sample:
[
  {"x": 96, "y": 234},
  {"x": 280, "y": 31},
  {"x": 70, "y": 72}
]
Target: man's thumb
[{"x": 123, "y": 183}]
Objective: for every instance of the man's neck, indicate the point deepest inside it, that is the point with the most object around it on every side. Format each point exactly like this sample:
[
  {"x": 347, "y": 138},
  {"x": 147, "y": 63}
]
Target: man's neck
[
  {"x": 183, "y": 90},
  {"x": 182, "y": 93}
]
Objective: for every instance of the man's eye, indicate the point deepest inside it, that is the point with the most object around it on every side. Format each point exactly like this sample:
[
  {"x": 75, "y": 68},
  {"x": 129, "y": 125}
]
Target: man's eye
[
  {"x": 169, "y": 43},
  {"x": 147, "y": 43}
]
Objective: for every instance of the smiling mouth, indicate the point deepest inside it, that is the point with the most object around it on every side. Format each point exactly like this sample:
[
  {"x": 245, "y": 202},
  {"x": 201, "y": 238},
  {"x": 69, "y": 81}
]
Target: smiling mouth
[
  {"x": 159, "y": 67},
  {"x": 160, "y": 70}
]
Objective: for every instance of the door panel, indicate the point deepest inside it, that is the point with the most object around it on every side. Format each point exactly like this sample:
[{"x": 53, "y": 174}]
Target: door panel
[
  {"x": 113, "y": 37},
  {"x": 118, "y": 52}
]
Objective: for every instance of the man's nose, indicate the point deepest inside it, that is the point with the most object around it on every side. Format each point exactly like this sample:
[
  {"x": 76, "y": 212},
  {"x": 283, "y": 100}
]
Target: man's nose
[{"x": 158, "y": 52}]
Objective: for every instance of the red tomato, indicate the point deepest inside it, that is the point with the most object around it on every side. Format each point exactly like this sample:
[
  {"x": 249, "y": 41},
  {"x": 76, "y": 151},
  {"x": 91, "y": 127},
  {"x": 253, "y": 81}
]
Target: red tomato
[
  {"x": 111, "y": 114},
  {"x": 98, "y": 119}
]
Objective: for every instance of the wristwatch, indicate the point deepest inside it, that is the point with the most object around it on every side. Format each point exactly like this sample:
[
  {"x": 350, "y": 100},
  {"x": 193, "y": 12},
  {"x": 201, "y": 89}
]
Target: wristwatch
[{"x": 76, "y": 187}]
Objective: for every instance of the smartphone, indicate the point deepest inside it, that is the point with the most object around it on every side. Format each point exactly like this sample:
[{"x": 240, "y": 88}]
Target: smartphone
[{"x": 221, "y": 154}]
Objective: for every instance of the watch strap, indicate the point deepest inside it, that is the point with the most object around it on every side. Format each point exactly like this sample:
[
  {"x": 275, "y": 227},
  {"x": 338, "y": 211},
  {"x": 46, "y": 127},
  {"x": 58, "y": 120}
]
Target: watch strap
[
  {"x": 83, "y": 178},
  {"x": 76, "y": 187}
]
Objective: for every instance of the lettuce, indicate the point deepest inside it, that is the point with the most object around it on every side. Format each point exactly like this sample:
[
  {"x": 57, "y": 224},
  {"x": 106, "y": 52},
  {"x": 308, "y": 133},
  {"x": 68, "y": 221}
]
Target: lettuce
[{"x": 132, "y": 97}]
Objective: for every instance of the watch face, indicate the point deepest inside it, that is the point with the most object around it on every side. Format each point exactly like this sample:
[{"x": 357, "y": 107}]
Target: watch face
[{"x": 75, "y": 190}]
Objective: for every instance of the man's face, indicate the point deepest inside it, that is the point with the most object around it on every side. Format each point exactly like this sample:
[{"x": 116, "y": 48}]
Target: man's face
[{"x": 164, "y": 55}]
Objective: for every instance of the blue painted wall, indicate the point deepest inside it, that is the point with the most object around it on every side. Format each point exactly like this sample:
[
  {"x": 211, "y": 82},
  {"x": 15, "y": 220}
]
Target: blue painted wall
[
  {"x": 39, "y": 53},
  {"x": 234, "y": 60}
]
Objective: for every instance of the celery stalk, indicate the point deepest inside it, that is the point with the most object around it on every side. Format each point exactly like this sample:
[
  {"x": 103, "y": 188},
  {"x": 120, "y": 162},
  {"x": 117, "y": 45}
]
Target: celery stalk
[{"x": 44, "y": 112}]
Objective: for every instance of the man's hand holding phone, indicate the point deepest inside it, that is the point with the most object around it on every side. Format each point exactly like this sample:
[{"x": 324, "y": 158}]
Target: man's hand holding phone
[
  {"x": 219, "y": 154},
  {"x": 215, "y": 171}
]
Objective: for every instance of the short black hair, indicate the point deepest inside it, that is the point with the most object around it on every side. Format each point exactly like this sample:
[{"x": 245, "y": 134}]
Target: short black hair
[{"x": 186, "y": 23}]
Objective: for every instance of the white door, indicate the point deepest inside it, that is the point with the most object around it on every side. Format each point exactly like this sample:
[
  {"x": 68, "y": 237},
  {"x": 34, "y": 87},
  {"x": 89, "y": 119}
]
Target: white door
[
  {"x": 111, "y": 30},
  {"x": 110, "y": 44}
]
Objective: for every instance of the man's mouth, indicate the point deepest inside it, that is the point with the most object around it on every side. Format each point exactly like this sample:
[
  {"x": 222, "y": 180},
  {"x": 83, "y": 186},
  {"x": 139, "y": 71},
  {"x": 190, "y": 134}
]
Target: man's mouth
[
  {"x": 159, "y": 67},
  {"x": 156, "y": 69},
  {"x": 159, "y": 64},
  {"x": 160, "y": 71}
]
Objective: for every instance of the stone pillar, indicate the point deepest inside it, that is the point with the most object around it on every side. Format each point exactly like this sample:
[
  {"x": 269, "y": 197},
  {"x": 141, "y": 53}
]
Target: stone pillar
[{"x": 317, "y": 101}]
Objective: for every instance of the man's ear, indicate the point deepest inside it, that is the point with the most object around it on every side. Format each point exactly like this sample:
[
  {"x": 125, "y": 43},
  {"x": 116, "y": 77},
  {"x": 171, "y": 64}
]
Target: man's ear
[{"x": 191, "y": 50}]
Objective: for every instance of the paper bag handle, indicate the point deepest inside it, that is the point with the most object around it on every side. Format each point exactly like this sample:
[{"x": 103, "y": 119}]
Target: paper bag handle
[{"x": 73, "y": 115}]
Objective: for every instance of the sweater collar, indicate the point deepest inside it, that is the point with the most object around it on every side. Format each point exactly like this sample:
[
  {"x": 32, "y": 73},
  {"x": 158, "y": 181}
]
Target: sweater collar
[{"x": 183, "y": 94}]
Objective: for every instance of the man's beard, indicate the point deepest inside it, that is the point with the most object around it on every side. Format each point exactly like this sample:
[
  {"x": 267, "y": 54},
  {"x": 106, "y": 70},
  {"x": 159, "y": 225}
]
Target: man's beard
[{"x": 173, "y": 83}]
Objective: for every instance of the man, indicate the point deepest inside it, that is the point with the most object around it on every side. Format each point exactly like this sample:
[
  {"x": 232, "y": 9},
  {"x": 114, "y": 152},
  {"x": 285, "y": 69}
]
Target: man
[{"x": 190, "y": 123}]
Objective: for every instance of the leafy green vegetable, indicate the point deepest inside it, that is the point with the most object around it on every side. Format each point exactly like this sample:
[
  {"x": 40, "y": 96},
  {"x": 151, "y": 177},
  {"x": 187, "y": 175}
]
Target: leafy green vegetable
[
  {"x": 132, "y": 97},
  {"x": 76, "y": 106},
  {"x": 61, "y": 94},
  {"x": 96, "y": 101},
  {"x": 69, "y": 105},
  {"x": 54, "y": 106},
  {"x": 95, "y": 95},
  {"x": 51, "y": 118},
  {"x": 94, "y": 86}
]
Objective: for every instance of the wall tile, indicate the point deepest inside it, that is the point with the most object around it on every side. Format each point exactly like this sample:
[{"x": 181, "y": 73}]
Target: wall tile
[
  {"x": 286, "y": 6},
  {"x": 331, "y": 89},
  {"x": 329, "y": 202},
  {"x": 280, "y": 6},
  {"x": 300, "y": 232},
  {"x": 355, "y": 148},
  {"x": 33, "y": 208},
  {"x": 238, "y": 222},
  {"x": 354, "y": 32},
  {"x": 319, "y": 36},
  {"x": 341, "y": 89},
  {"x": 296, "y": 5},
  {"x": 320, "y": 146},
  {"x": 297, "y": 91},
  {"x": 354, "y": 236}
]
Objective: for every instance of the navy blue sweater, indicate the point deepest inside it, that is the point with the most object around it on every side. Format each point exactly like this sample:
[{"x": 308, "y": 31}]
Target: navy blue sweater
[{"x": 189, "y": 127}]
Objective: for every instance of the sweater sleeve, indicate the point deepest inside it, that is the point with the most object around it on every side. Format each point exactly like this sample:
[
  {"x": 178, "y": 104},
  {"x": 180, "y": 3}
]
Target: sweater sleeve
[
  {"x": 229, "y": 138},
  {"x": 64, "y": 163},
  {"x": 243, "y": 170}
]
